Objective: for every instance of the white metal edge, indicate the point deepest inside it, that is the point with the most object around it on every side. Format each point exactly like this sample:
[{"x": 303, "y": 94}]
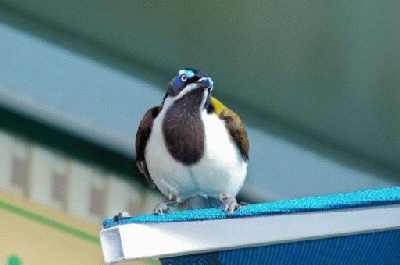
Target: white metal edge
[
  {"x": 147, "y": 240},
  {"x": 111, "y": 245}
]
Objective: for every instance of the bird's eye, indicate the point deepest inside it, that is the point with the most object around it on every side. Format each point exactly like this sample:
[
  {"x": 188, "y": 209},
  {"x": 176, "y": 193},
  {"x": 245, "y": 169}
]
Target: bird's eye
[{"x": 183, "y": 78}]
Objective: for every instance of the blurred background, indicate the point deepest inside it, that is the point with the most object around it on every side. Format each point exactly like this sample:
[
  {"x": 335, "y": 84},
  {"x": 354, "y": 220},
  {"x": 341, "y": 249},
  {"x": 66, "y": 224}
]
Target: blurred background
[{"x": 317, "y": 83}]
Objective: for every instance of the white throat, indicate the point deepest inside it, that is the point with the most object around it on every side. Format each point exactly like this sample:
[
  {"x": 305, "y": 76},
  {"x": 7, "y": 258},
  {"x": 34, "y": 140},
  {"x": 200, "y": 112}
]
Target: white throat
[{"x": 169, "y": 101}]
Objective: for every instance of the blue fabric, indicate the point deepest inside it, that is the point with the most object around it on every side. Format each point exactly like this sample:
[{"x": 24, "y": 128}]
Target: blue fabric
[
  {"x": 381, "y": 248},
  {"x": 316, "y": 203}
]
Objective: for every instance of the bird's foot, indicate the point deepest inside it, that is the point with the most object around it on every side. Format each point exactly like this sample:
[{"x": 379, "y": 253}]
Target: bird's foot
[
  {"x": 162, "y": 208},
  {"x": 229, "y": 203},
  {"x": 167, "y": 206},
  {"x": 120, "y": 216}
]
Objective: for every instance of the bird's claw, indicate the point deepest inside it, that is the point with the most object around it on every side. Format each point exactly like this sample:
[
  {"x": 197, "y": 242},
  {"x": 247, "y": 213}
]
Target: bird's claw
[
  {"x": 167, "y": 206},
  {"x": 120, "y": 216},
  {"x": 162, "y": 208},
  {"x": 229, "y": 203}
]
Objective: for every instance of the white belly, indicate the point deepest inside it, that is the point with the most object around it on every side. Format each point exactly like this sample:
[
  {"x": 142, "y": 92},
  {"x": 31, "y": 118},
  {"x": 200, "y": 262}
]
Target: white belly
[{"x": 220, "y": 170}]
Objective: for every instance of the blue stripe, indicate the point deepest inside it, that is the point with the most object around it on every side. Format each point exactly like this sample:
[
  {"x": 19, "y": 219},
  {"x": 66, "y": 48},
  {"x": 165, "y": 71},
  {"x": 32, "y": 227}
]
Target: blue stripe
[{"x": 356, "y": 199}]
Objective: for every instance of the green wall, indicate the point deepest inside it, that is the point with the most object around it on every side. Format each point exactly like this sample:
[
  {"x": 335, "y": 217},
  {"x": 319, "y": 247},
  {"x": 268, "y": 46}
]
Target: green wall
[{"x": 324, "y": 69}]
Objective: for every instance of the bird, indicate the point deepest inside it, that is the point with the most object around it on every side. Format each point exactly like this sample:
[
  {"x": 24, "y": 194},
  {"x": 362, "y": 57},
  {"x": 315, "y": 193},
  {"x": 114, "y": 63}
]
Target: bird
[{"x": 192, "y": 144}]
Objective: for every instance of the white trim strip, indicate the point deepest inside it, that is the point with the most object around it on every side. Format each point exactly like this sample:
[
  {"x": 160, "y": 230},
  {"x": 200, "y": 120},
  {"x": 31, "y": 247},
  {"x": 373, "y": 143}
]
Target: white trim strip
[{"x": 145, "y": 240}]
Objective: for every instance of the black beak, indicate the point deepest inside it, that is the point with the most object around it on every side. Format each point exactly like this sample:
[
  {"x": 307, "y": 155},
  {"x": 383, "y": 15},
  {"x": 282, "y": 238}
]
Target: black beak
[{"x": 206, "y": 82}]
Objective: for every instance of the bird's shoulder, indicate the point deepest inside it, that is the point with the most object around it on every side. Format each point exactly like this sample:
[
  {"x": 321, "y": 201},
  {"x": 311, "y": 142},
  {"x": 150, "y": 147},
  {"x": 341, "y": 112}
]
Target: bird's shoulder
[
  {"x": 142, "y": 136},
  {"x": 233, "y": 124}
]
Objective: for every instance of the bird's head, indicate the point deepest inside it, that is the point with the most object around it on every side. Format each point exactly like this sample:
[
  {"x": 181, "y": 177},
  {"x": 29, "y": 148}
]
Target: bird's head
[{"x": 188, "y": 80}]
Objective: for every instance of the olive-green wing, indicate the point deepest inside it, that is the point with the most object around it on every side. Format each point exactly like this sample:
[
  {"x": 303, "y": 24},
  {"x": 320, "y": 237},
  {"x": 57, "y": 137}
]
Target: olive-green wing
[
  {"x": 234, "y": 125},
  {"x": 142, "y": 136}
]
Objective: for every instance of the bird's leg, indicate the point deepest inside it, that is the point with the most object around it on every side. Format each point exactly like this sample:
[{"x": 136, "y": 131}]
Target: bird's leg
[
  {"x": 229, "y": 203},
  {"x": 166, "y": 206}
]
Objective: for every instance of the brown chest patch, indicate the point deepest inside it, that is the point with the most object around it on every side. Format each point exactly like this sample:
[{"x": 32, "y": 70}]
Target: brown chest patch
[{"x": 183, "y": 128}]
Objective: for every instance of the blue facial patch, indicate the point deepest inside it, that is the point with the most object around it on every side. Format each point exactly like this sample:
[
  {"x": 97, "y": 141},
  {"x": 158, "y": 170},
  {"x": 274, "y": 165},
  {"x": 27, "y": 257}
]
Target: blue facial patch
[
  {"x": 187, "y": 72},
  {"x": 177, "y": 83}
]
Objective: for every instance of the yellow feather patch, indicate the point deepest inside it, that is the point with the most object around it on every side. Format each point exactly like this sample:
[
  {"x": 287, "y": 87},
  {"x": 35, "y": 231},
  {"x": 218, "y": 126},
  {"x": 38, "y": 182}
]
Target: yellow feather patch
[{"x": 218, "y": 106}]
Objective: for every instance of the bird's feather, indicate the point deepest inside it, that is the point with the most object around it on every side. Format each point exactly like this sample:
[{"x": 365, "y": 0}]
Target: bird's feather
[
  {"x": 233, "y": 124},
  {"x": 142, "y": 136}
]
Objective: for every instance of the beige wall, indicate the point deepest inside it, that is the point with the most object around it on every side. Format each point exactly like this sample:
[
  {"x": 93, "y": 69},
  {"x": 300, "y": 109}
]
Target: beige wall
[
  {"x": 80, "y": 189},
  {"x": 39, "y": 235},
  {"x": 52, "y": 205}
]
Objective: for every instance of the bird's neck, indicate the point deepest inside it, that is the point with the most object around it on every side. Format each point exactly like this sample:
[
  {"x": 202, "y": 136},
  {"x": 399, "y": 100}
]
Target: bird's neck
[{"x": 183, "y": 128}]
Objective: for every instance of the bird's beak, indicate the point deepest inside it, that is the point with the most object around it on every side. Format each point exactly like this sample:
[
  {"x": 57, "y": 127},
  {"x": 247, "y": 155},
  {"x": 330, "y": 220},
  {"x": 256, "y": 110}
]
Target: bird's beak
[{"x": 206, "y": 82}]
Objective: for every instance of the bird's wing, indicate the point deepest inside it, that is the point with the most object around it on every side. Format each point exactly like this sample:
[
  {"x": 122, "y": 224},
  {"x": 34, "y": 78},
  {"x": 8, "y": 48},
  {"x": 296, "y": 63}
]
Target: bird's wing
[
  {"x": 142, "y": 136},
  {"x": 234, "y": 125}
]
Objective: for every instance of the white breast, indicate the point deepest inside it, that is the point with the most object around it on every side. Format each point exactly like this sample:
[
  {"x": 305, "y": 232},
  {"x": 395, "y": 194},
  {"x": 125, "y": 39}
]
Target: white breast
[{"x": 221, "y": 169}]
